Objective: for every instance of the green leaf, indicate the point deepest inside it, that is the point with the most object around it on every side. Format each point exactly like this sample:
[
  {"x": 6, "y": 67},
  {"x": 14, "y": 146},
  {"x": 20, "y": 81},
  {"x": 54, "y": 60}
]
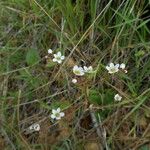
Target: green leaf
[
  {"x": 32, "y": 57},
  {"x": 109, "y": 97},
  {"x": 29, "y": 79},
  {"x": 103, "y": 114},
  {"x": 139, "y": 53},
  {"x": 94, "y": 97},
  {"x": 62, "y": 105},
  {"x": 50, "y": 64},
  {"x": 54, "y": 105},
  {"x": 99, "y": 98},
  {"x": 144, "y": 147}
]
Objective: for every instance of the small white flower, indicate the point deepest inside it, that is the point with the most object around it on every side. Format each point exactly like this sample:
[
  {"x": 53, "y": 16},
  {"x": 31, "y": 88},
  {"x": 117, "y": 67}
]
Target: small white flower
[
  {"x": 56, "y": 114},
  {"x": 112, "y": 68},
  {"x": 34, "y": 127},
  {"x": 74, "y": 80},
  {"x": 46, "y": 56},
  {"x": 88, "y": 69},
  {"x": 78, "y": 70},
  {"x": 122, "y": 66},
  {"x": 126, "y": 71},
  {"x": 117, "y": 97},
  {"x": 58, "y": 57},
  {"x": 50, "y": 51}
]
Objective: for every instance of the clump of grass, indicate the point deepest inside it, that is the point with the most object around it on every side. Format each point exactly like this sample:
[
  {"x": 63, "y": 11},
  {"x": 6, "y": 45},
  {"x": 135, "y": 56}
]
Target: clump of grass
[{"x": 89, "y": 34}]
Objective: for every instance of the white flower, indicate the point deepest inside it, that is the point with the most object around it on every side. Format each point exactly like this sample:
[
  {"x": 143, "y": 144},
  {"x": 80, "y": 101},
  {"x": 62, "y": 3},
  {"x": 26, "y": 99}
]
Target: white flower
[
  {"x": 58, "y": 57},
  {"x": 122, "y": 66},
  {"x": 56, "y": 114},
  {"x": 126, "y": 71},
  {"x": 34, "y": 127},
  {"x": 117, "y": 97},
  {"x": 50, "y": 51},
  {"x": 78, "y": 70},
  {"x": 74, "y": 80},
  {"x": 112, "y": 68},
  {"x": 88, "y": 69}
]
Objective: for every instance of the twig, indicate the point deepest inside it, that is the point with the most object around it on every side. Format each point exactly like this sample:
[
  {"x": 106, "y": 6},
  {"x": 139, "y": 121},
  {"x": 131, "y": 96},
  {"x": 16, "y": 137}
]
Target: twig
[{"x": 99, "y": 129}]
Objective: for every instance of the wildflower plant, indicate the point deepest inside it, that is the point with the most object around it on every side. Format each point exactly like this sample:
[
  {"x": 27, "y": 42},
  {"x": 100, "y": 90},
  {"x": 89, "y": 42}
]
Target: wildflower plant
[
  {"x": 57, "y": 114},
  {"x": 112, "y": 68},
  {"x": 50, "y": 51},
  {"x": 85, "y": 34},
  {"x": 122, "y": 66},
  {"x": 79, "y": 71},
  {"x": 88, "y": 69},
  {"x": 117, "y": 98},
  {"x": 58, "y": 57}
]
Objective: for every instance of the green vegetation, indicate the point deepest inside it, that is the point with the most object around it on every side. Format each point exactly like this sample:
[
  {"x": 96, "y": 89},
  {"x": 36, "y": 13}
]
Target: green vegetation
[{"x": 88, "y": 33}]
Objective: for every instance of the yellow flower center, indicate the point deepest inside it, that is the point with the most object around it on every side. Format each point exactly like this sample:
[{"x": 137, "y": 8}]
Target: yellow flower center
[
  {"x": 58, "y": 58},
  {"x": 77, "y": 72},
  {"x": 57, "y": 114},
  {"x": 113, "y": 70}
]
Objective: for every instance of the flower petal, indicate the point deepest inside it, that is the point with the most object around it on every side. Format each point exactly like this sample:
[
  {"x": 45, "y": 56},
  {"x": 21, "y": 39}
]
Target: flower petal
[
  {"x": 117, "y": 65},
  {"x": 59, "y": 61},
  {"x": 111, "y": 64},
  {"x": 54, "y": 111},
  {"x": 54, "y": 59},
  {"x": 50, "y": 51},
  {"x": 36, "y": 127},
  {"x": 62, "y": 114},
  {"x": 90, "y": 67},
  {"x": 55, "y": 55},
  {"x": 58, "y": 110},
  {"x": 59, "y": 54},
  {"x": 122, "y": 66},
  {"x": 75, "y": 67},
  {"x": 85, "y": 68},
  {"x": 74, "y": 81},
  {"x": 31, "y": 127},
  {"x": 80, "y": 68},
  {"x": 62, "y": 57},
  {"x": 110, "y": 72},
  {"x": 53, "y": 116},
  {"x": 108, "y": 68}
]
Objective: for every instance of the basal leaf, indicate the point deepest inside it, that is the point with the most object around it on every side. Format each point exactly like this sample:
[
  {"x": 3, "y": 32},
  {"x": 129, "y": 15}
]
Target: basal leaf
[{"x": 32, "y": 57}]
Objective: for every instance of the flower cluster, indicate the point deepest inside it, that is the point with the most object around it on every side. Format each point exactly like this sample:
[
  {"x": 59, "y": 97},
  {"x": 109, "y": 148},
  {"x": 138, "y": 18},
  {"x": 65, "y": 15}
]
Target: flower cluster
[
  {"x": 113, "y": 68},
  {"x": 58, "y": 57},
  {"x": 80, "y": 71},
  {"x": 88, "y": 69}
]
